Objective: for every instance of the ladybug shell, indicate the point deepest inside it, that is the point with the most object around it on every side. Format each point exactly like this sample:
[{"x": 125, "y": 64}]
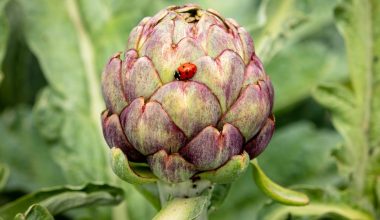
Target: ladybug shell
[{"x": 186, "y": 71}]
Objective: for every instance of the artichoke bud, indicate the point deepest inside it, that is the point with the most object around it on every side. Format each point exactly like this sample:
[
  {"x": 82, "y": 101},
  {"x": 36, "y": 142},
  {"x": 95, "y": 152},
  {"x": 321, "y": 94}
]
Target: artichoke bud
[{"x": 189, "y": 99}]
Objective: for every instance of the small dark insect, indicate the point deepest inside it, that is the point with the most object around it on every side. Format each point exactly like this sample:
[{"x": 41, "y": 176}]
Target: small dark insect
[{"x": 185, "y": 71}]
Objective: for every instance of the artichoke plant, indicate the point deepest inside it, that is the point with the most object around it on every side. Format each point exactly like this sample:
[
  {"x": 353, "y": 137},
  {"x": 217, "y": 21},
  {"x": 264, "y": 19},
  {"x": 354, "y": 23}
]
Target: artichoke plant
[{"x": 204, "y": 127}]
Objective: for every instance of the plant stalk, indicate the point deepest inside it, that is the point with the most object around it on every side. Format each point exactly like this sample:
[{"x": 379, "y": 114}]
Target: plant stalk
[{"x": 188, "y": 189}]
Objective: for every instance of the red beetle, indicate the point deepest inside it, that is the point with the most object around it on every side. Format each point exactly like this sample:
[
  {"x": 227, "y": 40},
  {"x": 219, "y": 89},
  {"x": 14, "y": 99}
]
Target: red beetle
[{"x": 185, "y": 71}]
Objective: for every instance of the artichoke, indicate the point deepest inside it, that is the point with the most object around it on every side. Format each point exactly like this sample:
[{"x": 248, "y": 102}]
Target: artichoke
[{"x": 206, "y": 126}]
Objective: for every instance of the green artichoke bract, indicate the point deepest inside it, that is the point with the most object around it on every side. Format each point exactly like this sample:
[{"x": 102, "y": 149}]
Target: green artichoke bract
[{"x": 207, "y": 126}]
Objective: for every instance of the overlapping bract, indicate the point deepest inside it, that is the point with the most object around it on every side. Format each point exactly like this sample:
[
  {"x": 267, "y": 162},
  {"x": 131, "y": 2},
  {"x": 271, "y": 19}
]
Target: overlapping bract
[{"x": 184, "y": 128}]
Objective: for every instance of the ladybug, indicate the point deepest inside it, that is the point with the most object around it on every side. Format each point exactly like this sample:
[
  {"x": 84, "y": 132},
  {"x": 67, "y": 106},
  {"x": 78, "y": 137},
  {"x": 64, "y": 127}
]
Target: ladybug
[{"x": 185, "y": 71}]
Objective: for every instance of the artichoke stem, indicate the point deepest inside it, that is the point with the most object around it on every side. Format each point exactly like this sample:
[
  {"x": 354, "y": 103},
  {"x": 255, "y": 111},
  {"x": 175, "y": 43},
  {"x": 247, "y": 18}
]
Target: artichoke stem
[
  {"x": 188, "y": 189},
  {"x": 203, "y": 215}
]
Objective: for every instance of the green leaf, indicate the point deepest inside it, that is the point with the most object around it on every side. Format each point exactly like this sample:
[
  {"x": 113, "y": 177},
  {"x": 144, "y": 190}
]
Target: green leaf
[
  {"x": 357, "y": 21},
  {"x": 304, "y": 65},
  {"x": 68, "y": 76},
  {"x": 275, "y": 191},
  {"x": 59, "y": 199},
  {"x": 69, "y": 67},
  {"x": 298, "y": 41},
  {"x": 3, "y": 29},
  {"x": 286, "y": 22},
  {"x": 374, "y": 138},
  {"x": 304, "y": 154},
  {"x": 25, "y": 152},
  {"x": 278, "y": 14},
  {"x": 124, "y": 171},
  {"x": 341, "y": 102},
  {"x": 356, "y": 112},
  {"x": 35, "y": 212},
  {"x": 325, "y": 204},
  {"x": 22, "y": 74},
  {"x": 48, "y": 114},
  {"x": 108, "y": 24},
  {"x": 4, "y": 174},
  {"x": 298, "y": 154},
  {"x": 183, "y": 209},
  {"x": 377, "y": 190},
  {"x": 316, "y": 210},
  {"x": 338, "y": 99},
  {"x": 354, "y": 20}
]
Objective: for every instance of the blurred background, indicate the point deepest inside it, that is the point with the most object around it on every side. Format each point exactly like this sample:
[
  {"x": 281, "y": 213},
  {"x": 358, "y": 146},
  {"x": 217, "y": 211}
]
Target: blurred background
[{"x": 52, "y": 53}]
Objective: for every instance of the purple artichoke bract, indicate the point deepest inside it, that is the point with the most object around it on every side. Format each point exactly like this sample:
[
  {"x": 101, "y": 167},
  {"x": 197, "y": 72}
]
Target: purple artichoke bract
[{"x": 187, "y": 128}]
